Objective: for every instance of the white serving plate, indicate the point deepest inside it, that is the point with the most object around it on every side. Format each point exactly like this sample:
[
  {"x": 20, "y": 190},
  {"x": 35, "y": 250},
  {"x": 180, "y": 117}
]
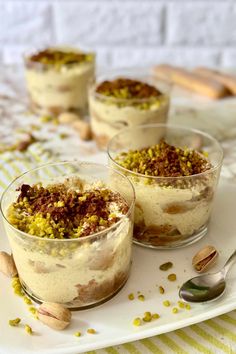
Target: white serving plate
[{"x": 113, "y": 320}]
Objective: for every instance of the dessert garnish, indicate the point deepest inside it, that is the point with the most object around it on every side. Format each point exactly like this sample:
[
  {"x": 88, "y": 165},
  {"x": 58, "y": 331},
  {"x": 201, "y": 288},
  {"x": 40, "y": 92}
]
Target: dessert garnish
[
  {"x": 7, "y": 265},
  {"x": 172, "y": 277},
  {"x": 59, "y": 212},
  {"x": 166, "y": 266},
  {"x": 147, "y": 317},
  {"x": 91, "y": 331},
  {"x": 58, "y": 58},
  {"x": 54, "y": 315},
  {"x": 28, "y": 329},
  {"x": 14, "y": 322},
  {"x": 77, "y": 334},
  {"x": 166, "y": 303},
  {"x": 205, "y": 258},
  {"x": 164, "y": 160},
  {"x": 123, "y": 88}
]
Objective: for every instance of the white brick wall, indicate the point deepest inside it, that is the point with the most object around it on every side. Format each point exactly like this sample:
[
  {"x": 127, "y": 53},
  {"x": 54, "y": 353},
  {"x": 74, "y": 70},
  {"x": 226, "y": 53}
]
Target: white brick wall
[{"x": 124, "y": 33}]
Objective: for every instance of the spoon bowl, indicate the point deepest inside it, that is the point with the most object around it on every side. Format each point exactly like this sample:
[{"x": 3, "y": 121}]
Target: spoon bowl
[{"x": 207, "y": 287}]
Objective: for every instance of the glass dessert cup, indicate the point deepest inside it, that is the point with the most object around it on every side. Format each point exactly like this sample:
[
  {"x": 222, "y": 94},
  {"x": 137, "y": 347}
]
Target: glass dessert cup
[
  {"x": 170, "y": 212},
  {"x": 78, "y": 272},
  {"x": 110, "y": 114},
  {"x": 56, "y": 88}
]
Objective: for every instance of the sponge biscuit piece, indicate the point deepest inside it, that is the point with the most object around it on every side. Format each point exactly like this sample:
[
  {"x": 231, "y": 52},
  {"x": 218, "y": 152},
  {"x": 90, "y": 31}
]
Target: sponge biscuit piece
[
  {"x": 191, "y": 81},
  {"x": 225, "y": 79}
]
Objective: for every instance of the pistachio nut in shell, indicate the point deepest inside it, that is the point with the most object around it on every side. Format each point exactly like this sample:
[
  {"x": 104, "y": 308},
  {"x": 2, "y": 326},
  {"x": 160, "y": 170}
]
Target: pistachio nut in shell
[
  {"x": 205, "y": 258},
  {"x": 7, "y": 265},
  {"x": 54, "y": 315}
]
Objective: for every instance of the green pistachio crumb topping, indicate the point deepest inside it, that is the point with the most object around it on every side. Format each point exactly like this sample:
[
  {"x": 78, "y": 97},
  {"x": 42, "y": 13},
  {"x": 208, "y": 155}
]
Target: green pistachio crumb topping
[
  {"x": 59, "y": 58},
  {"x": 57, "y": 212},
  {"x": 164, "y": 160}
]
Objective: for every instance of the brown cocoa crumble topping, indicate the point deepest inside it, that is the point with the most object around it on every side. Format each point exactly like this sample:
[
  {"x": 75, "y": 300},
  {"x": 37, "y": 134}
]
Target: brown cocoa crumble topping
[
  {"x": 59, "y": 57},
  {"x": 164, "y": 160},
  {"x": 127, "y": 89},
  {"x": 58, "y": 212}
]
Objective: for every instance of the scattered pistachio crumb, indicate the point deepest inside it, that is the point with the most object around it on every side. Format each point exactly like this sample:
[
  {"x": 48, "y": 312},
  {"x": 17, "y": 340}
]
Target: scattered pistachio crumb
[
  {"x": 155, "y": 316},
  {"x": 166, "y": 266},
  {"x": 33, "y": 310},
  {"x": 55, "y": 121},
  {"x": 141, "y": 297},
  {"x": 77, "y": 334},
  {"x": 188, "y": 307},
  {"x": 14, "y": 322},
  {"x": 63, "y": 136},
  {"x": 171, "y": 277},
  {"x": 131, "y": 296},
  {"x": 18, "y": 292},
  {"x": 175, "y": 310},
  {"x": 91, "y": 331},
  {"x": 137, "y": 321},
  {"x": 161, "y": 290},
  {"x": 27, "y": 300},
  {"x": 28, "y": 329},
  {"x": 147, "y": 317},
  {"x": 166, "y": 303},
  {"x": 45, "y": 119},
  {"x": 181, "y": 304}
]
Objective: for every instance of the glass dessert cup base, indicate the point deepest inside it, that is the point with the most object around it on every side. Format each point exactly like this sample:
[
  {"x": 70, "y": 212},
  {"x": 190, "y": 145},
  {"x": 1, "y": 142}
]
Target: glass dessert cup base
[
  {"x": 71, "y": 305},
  {"x": 79, "y": 272},
  {"x": 169, "y": 242},
  {"x": 173, "y": 200}
]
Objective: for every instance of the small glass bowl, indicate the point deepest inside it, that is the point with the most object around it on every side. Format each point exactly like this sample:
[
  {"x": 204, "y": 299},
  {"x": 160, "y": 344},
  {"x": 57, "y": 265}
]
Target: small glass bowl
[
  {"x": 170, "y": 212},
  {"x": 53, "y": 90},
  {"x": 80, "y": 272},
  {"x": 109, "y": 115}
]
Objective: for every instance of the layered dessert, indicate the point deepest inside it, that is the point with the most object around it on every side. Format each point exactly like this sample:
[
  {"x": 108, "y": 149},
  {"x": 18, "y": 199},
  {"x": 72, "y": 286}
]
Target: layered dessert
[
  {"x": 71, "y": 241},
  {"x": 57, "y": 80},
  {"x": 174, "y": 191},
  {"x": 122, "y": 103}
]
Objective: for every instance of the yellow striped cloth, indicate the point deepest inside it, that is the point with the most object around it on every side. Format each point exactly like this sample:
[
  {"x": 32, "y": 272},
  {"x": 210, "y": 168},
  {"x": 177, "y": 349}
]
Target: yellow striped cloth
[{"x": 217, "y": 335}]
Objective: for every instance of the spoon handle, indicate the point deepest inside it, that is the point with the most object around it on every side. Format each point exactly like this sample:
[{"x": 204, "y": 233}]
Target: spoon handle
[{"x": 229, "y": 263}]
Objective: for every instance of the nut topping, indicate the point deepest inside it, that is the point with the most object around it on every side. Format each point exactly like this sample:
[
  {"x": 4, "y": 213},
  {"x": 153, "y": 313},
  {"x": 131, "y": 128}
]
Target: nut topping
[
  {"x": 123, "y": 88},
  {"x": 54, "y": 315},
  {"x": 7, "y": 265},
  {"x": 204, "y": 259},
  {"x": 164, "y": 160}
]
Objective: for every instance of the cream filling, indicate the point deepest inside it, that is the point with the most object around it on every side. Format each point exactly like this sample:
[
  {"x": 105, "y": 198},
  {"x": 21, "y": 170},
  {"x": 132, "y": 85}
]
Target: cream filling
[
  {"x": 53, "y": 278},
  {"x": 108, "y": 119},
  {"x": 153, "y": 201},
  {"x": 66, "y": 88}
]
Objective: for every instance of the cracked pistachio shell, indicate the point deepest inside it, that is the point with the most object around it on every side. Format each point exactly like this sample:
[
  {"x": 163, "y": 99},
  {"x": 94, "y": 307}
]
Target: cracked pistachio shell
[
  {"x": 205, "y": 258},
  {"x": 54, "y": 315},
  {"x": 7, "y": 265}
]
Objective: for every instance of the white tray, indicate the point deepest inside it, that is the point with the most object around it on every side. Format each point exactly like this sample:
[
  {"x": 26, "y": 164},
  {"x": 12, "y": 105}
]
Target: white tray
[{"x": 113, "y": 320}]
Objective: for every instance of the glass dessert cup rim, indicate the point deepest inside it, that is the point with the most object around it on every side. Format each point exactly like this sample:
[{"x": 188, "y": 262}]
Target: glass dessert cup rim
[
  {"x": 171, "y": 126},
  {"x": 78, "y": 239},
  {"x": 27, "y": 55},
  {"x": 128, "y": 101}
]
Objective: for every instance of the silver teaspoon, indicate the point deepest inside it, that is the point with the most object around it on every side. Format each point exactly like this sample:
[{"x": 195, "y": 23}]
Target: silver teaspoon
[{"x": 207, "y": 287}]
